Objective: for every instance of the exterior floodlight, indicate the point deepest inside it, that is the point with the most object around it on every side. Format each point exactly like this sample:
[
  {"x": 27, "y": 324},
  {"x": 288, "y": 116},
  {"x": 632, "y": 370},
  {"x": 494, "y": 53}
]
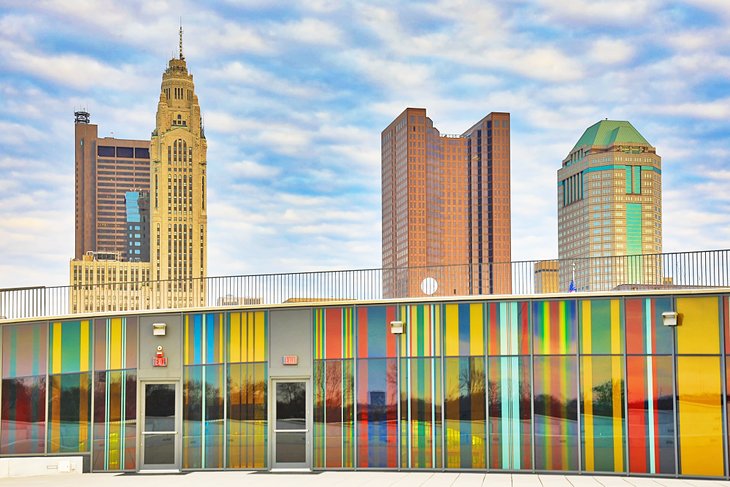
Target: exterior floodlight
[
  {"x": 159, "y": 329},
  {"x": 670, "y": 318},
  {"x": 396, "y": 327}
]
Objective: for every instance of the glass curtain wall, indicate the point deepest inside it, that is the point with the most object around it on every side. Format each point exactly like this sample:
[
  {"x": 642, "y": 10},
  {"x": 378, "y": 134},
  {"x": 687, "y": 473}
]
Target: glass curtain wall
[
  {"x": 589, "y": 385},
  {"x": 224, "y": 390},
  {"x": 115, "y": 393},
  {"x": 574, "y": 385},
  {"x": 70, "y": 387}
]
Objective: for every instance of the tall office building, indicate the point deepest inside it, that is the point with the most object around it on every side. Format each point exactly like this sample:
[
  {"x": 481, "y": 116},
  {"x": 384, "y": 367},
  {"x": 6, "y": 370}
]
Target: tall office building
[
  {"x": 446, "y": 207},
  {"x": 178, "y": 153},
  {"x": 173, "y": 195},
  {"x": 106, "y": 168},
  {"x": 609, "y": 206}
]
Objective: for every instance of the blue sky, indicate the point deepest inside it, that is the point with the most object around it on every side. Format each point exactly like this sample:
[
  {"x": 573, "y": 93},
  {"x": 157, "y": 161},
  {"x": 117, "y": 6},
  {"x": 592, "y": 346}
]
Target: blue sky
[{"x": 295, "y": 95}]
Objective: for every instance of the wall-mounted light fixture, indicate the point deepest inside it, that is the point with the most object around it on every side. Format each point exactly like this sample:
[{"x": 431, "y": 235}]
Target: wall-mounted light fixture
[
  {"x": 670, "y": 318},
  {"x": 397, "y": 327},
  {"x": 159, "y": 329}
]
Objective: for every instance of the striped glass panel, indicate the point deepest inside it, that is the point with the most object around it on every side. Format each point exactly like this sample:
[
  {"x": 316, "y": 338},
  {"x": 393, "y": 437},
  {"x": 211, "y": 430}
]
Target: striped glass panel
[
  {"x": 602, "y": 414},
  {"x": 247, "y": 416},
  {"x": 334, "y": 414},
  {"x": 373, "y": 331},
  {"x": 70, "y": 347},
  {"x": 555, "y": 327},
  {"x": 115, "y": 420},
  {"x": 69, "y": 413},
  {"x": 23, "y": 415},
  {"x": 24, "y": 350},
  {"x": 465, "y": 412},
  {"x": 508, "y": 328},
  {"x": 421, "y": 403},
  {"x": 247, "y": 336},
  {"x": 203, "y": 339},
  {"x": 377, "y": 395},
  {"x": 464, "y": 329},
  {"x": 115, "y": 343},
  {"x": 650, "y": 384},
  {"x": 645, "y": 330},
  {"x": 203, "y": 416},
  {"x": 334, "y": 333},
  {"x": 509, "y": 413},
  {"x": 423, "y": 330},
  {"x": 601, "y": 326},
  {"x": 555, "y": 392}
]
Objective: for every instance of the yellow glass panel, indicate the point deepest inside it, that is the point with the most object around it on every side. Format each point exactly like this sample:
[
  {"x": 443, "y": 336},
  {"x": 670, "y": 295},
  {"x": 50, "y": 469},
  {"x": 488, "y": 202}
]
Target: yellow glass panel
[
  {"x": 476, "y": 329},
  {"x": 699, "y": 327},
  {"x": 700, "y": 416},
  {"x": 452, "y": 330}
]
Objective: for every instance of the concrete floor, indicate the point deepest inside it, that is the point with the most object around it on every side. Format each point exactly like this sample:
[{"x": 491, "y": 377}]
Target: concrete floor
[{"x": 350, "y": 479}]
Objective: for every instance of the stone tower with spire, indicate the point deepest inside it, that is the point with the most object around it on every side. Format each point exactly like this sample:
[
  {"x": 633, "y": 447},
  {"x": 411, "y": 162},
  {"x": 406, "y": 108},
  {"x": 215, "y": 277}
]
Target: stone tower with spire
[
  {"x": 174, "y": 275},
  {"x": 178, "y": 230}
]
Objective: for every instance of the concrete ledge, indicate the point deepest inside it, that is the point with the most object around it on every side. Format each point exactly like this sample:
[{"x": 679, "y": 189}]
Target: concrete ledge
[{"x": 32, "y": 466}]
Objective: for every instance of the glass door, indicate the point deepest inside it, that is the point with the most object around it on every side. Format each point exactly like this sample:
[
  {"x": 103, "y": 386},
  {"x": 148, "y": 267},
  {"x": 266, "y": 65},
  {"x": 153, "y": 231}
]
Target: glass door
[
  {"x": 291, "y": 424},
  {"x": 159, "y": 427}
]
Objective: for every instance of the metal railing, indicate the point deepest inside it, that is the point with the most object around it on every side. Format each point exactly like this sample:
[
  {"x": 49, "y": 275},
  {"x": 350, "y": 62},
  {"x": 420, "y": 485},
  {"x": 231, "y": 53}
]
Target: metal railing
[{"x": 680, "y": 270}]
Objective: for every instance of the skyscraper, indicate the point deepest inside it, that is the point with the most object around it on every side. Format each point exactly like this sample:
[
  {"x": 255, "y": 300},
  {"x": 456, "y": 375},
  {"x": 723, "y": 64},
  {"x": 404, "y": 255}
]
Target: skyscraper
[
  {"x": 446, "y": 207},
  {"x": 173, "y": 194},
  {"x": 610, "y": 205},
  {"x": 178, "y": 151},
  {"x": 106, "y": 168}
]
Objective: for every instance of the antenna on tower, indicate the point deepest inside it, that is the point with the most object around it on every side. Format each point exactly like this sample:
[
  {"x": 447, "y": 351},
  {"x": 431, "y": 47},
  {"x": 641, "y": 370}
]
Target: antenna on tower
[{"x": 181, "y": 33}]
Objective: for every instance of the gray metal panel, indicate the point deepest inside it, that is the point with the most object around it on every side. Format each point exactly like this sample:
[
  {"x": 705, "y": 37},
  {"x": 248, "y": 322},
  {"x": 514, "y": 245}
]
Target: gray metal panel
[
  {"x": 290, "y": 333},
  {"x": 172, "y": 346}
]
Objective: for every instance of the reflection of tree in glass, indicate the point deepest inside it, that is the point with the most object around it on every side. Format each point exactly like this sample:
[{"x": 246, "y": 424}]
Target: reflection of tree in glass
[
  {"x": 247, "y": 392},
  {"x": 603, "y": 397},
  {"x": 290, "y": 400},
  {"x": 471, "y": 382},
  {"x": 556, "y": 407},
  {"x": 494, "y": 398}
]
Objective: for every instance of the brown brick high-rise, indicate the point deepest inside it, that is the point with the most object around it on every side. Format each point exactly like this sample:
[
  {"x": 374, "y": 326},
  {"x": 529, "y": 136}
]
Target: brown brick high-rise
[
  {"x": 106, "y": 168},
  {"x": 446, "y": 207}
]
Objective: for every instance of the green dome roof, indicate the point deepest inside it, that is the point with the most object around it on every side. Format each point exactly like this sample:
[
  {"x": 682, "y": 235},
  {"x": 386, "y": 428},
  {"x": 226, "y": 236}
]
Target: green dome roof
[{"x": 609, "y": 132}]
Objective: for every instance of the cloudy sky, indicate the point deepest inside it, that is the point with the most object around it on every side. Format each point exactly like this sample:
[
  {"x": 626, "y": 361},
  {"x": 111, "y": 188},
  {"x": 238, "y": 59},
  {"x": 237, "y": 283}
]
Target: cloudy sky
[{"x": 295, "y": 95}]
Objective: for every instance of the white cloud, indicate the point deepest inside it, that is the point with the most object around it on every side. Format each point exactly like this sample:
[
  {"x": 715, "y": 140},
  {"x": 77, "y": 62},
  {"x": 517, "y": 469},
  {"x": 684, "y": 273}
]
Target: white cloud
[
  {"x": 308, "y": 31},
  {"x": 611, "y": 51},
  {"x": 599, "y": 12},
  {"x": 715, "y": 6},
  {"x": 252, "y": 170},
  {"x": 715, "y": 110},
  {"x": 239, "y": 72},
  {"x": 72, "y": 70}
]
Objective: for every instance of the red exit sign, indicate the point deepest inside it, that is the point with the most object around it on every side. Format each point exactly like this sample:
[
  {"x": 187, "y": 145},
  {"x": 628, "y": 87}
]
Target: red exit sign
[
  {"x": 290, "y": 360},
  {"x": 159, "y": 362}
]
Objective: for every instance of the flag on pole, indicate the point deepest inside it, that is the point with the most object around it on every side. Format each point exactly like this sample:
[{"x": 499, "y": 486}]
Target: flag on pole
[{"x": 572, "y": 288}]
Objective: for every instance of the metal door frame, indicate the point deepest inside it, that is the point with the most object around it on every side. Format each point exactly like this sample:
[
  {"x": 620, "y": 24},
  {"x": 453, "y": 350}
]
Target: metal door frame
[
  {"x": 141, "y": 399},
  {"x": 272, "y": 423}
]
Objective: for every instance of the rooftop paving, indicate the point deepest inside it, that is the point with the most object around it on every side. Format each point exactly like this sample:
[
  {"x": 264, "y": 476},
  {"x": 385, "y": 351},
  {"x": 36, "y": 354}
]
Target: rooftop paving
[{"x": 354, "y": 479}]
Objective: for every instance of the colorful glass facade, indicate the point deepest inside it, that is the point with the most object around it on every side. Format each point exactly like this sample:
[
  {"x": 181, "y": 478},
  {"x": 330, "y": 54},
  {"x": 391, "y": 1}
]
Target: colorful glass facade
[{"x": 595, "y": 384}]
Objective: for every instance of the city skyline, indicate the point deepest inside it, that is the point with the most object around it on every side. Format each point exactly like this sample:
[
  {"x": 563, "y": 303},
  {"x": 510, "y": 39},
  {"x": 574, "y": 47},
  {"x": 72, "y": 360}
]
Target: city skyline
[{"x": 295, "y": 99}]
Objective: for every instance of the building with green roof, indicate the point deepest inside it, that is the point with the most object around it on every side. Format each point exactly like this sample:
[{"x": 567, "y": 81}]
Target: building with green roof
[{"x": 609, "y": 205}]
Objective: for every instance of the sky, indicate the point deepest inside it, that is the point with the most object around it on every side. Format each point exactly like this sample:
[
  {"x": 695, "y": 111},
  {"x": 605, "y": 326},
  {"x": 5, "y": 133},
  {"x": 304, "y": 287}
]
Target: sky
[{"x": 295, "y": 94}]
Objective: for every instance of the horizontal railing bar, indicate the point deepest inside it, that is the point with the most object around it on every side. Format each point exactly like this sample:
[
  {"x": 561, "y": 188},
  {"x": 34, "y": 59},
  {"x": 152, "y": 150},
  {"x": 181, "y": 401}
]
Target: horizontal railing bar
[{"x": 686, "y": 269}]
